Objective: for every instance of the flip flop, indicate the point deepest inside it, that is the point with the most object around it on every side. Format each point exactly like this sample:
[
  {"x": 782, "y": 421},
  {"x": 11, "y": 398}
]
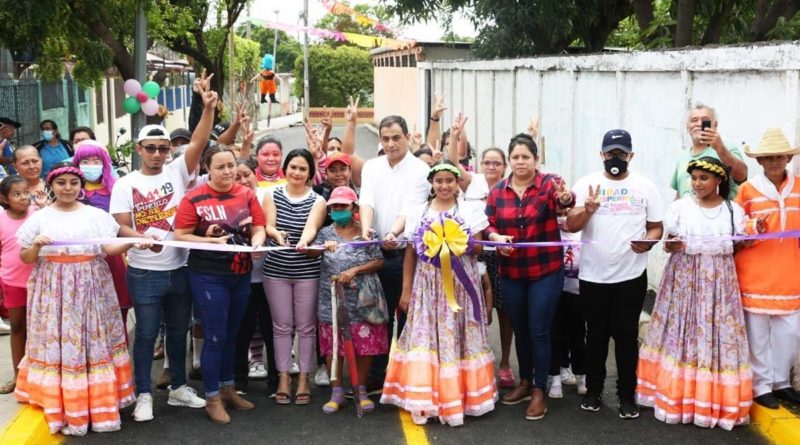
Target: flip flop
[
  {"x": 8, "y": 388},
  {"x": 282, "y": 398},
  {"x": 302, "y": 398}
]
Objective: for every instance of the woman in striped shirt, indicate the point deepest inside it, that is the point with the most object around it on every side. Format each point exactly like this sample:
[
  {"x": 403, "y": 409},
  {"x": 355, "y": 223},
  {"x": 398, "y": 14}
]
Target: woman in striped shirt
[{"x": 291, "y": 279}]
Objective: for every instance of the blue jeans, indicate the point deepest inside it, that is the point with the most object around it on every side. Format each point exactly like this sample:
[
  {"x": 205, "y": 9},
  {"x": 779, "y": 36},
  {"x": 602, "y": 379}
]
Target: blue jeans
[
  {"x": 155, "y": 292},
  {"x": 221, "y": 301},
  {"x": 391, "y": 277},
  {"x": 531, "y": 306}
]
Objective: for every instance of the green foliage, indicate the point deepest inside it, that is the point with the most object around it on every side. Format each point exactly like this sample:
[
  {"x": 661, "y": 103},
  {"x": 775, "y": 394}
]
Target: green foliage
[
  {"x": 348, "y": 23},
  {"x": 335, "y": 75},
  {"x": 288, "y": 47}
]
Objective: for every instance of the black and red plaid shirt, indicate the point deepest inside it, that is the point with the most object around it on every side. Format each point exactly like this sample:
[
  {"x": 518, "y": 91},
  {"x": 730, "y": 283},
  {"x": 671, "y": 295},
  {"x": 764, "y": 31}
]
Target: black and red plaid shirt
[{"x": 532, "y": 218}]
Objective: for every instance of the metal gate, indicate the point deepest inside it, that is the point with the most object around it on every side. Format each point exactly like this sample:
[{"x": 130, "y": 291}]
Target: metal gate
[{"x": 19, "y": 100}]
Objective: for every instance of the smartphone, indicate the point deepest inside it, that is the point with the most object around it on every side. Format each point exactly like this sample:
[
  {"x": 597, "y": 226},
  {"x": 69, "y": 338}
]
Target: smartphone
[{"x": 706, "y": 124}]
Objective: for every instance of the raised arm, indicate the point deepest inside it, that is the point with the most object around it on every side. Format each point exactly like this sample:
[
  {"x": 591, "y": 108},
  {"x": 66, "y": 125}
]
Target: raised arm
[
  {"x": 456, "y": 133},
  {"x": 349, "y": 141},
  {"x": 434, "y": 129},
  {"x": 203, "y": 130}
]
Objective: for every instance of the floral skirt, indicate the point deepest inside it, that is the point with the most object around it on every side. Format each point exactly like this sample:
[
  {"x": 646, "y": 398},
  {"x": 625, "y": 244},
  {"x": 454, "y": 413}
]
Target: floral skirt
[
  {"x": 76, "y": 365},
  {"x": 694, "y": 363},
  {"x": 368, "y": 339},
  {"x": 442, "y": 364}
]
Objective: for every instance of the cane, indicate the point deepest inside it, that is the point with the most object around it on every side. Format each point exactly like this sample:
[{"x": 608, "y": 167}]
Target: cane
[
  {"x": 335, "y": 330},
  {"x": 349, "y": 348}
]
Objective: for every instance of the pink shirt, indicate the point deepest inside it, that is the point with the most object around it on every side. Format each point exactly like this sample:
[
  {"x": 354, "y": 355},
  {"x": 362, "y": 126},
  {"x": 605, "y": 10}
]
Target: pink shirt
[{"x": 13, "y": 272}]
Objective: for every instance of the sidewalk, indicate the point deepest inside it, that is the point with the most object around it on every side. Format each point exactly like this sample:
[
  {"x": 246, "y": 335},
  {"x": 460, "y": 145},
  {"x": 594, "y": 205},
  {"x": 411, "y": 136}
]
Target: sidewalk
[{"x": 278, "y": 123}]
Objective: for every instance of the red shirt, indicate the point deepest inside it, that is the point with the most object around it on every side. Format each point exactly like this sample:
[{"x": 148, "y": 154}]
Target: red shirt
[
  {"x": 232, "y": 213},
  {"x": 532, "y": 218}
]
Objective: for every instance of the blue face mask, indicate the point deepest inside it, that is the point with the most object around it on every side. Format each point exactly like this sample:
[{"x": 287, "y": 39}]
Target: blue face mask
[
  {"x": 342, "y": 217},
  {"x": 47, "y": 134},
  {"x": 92, "y": 173}
]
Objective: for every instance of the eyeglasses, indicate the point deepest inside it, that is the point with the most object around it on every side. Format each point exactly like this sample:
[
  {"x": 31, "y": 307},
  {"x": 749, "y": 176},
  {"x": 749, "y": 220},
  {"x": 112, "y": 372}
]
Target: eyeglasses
[
  {"x": 163, "y": 149},
  {"x": 492, "y": 164}
]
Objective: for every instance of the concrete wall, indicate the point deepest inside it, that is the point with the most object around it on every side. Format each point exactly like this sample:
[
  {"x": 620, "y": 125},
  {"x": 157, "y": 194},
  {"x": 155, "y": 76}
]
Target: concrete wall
[
  {"x": 396, "y": 93},
  {"x": 578, "y": 98}
]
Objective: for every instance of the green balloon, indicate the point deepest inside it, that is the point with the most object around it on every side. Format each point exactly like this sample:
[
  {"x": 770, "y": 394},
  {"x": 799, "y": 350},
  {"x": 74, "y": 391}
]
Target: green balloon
[
  {"x": 131, "y": 105},
  {"x": 152, "y": 89}
]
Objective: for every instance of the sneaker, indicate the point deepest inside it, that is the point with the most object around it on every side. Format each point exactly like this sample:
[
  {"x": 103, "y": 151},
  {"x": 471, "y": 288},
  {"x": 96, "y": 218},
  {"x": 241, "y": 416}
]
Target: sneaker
[
  {"x": 144, "y": 408},
  {"x": 567, "y": 377},
  {"x": 627, "y": 410},
  {"x": 185, "y": 396},
  {"x": 555, "y": 391},
  {"x": 321, "y": 378},
  {"x": 295, "y": 369},
  {"x": 591, "y": 403},
  {"x": 581, "y": 384},
  {"x": 257, "y": 371},
  {"x": 5, "y": 328}
]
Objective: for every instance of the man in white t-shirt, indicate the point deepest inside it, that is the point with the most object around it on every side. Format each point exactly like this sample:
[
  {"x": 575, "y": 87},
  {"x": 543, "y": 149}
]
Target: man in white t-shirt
[
  {"x": 147, "y": 201},
  {"x": 389, "y": 184},
  {"x": 616, "y": 209}
]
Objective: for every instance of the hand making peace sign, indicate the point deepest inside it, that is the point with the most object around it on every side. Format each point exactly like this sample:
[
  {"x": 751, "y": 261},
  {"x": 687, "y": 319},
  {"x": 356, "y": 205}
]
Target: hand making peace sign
[{"x": 592, "y": 202}]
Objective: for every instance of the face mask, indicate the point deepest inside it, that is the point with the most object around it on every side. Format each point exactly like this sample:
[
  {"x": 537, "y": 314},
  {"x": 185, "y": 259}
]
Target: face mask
[
  {"x": 615, "y": 166},
  {"x": 47, "y": 135},
  {"x": 92, "y": 172},
  {"x": 342, "y": 217}
]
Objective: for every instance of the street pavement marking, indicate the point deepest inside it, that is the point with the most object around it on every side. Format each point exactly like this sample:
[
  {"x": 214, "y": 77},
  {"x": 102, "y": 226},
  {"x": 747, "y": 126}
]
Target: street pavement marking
[
  {"x": 415, "y": 434},
  {"x": 780, "y": 426},
  {"x": 29, "y": 428}
]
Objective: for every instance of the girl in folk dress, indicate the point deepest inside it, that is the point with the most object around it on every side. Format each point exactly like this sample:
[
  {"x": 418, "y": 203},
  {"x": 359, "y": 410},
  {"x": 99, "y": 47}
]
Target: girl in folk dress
[
  {"x": 693, "y": 366},
  {"x": 76, "y": 364},
  {"x": 442, "y": 365}
]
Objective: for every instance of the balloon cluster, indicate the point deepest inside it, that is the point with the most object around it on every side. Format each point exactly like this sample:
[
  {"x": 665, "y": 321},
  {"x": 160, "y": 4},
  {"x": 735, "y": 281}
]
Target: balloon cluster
[{"x": 140, "y": 97}]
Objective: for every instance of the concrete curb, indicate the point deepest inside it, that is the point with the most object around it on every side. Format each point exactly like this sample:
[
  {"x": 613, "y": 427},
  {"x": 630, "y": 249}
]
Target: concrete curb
[
  {"x": 29, "y": 428},
  {"x": 781, "y": 426},
  {"x": 372, "y": 129}
]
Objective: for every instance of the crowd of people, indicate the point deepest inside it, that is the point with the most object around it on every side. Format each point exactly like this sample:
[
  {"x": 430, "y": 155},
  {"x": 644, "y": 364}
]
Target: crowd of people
[{"x": 420, "y": 242}]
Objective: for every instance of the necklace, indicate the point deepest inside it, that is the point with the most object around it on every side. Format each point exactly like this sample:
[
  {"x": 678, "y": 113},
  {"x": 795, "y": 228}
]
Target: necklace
[{"x": 704, "y": 212}]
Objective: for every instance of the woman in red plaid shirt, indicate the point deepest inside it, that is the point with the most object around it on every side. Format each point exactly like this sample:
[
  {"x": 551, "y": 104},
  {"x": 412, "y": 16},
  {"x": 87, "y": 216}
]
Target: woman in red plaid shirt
[{"x": 523, "y": 208}]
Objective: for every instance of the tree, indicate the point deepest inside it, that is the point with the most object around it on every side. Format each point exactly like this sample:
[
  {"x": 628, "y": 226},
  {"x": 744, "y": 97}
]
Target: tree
[
  {"x": 288, "y": 47},
  {"x": 98, "y": 34},
  {"x": 511, "y": 28},
  {"x": 348, "y": 23},
  {"x": 335, "y": 75}
]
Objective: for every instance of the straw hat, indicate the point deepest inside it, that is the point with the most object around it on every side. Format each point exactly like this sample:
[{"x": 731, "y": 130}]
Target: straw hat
[{"x": 773, "y": 143}]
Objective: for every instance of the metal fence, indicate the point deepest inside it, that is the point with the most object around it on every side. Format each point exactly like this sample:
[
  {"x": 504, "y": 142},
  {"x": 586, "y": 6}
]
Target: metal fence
[{"x": 19, "y": 100}]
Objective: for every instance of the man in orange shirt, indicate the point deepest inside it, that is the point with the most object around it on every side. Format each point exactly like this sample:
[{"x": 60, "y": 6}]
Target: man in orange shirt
[{"x": 767, "y": 271}]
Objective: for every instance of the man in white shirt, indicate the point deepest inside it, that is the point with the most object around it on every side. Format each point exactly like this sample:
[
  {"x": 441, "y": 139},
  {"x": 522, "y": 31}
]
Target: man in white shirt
[
  {"x": 389, "y": 184},
  {"x": 147, "y": 201},
  {"x": 620, "y": 209}
]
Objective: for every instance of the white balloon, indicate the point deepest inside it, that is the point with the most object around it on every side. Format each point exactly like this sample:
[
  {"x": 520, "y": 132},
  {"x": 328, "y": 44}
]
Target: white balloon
[
  {"x": 150, "y": 107},
  {"x": 132, "y": 87}
]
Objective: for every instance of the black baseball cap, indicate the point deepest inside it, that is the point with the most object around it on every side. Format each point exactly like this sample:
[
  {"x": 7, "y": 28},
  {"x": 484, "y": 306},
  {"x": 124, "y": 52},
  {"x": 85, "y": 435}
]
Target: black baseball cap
[
  {"x": 9, "y": 121},
  {"x": 180, "y": 133},
  {"x": 617, "y": 139}
]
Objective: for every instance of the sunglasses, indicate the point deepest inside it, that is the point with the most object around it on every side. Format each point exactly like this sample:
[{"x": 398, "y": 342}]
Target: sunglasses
[{"x": 163, "y": 149}]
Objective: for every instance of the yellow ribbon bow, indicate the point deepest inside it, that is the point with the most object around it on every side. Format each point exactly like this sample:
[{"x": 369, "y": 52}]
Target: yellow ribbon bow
[{"x": 442, "y": 240}]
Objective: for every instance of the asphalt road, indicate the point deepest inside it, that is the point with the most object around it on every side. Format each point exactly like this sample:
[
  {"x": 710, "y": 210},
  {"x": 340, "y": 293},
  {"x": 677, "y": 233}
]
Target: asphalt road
[{"x": 565, "y": 422}]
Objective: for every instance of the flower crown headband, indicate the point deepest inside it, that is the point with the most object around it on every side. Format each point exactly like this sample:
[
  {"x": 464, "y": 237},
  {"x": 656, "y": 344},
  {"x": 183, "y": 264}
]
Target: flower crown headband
[{"x": 707, "y": 166}]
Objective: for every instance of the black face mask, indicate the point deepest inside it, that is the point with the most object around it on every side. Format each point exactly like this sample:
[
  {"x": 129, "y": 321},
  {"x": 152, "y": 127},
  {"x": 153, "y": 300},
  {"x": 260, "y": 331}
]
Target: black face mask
[{"x": 615, "y": 166}]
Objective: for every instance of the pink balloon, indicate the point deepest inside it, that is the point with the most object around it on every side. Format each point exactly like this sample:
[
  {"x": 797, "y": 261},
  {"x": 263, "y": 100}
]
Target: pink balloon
[
  {"x": 132, "y": 87},
  {"x": 150, "y": 107},
  {"x": 142, "y": 97}
]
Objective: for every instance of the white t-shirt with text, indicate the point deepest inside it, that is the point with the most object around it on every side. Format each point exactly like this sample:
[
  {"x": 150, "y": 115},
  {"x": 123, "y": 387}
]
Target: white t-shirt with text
[{"x": 626, "y": 206}]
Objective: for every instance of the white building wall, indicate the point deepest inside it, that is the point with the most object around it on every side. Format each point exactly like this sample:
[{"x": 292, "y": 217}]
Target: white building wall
[{"x": 579, "y": 98}]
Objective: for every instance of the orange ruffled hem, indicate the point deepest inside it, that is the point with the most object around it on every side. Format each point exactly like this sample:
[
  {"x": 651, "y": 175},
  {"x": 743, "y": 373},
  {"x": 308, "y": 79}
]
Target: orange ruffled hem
[
  {"x": 416, "y": 383},
  {"x": 76, "y": 398},
  {"x": 683, "y": 394}
]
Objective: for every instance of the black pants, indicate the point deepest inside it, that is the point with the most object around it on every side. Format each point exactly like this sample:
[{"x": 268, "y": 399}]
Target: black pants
[
  {"x": 391, "y": 277},
  {"x": 256, "y": 315},
  {"x": 271, "y": 98},
  {"x": 612, "y": 311},
  {"x": 569, "y": 336}
]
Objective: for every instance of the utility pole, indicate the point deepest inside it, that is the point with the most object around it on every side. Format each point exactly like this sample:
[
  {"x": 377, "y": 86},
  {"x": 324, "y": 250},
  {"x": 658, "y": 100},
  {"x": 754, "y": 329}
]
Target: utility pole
[
  {"x": 139, "y": 70},
  {"x": 305, "y": 60},
  {"x": 275, "y": 45}
]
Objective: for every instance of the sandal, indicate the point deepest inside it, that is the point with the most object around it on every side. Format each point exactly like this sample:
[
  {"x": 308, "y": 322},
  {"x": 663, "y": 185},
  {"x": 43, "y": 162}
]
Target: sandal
[
  {"x": 367, "y": 405},
  {"x": 506, "y": 377},
  {"x": 9, "y": 387},
  {"x": 337, "y": 400},
  {"x": 302, "y": 398},
  {"x": 283, "y": 397}
]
